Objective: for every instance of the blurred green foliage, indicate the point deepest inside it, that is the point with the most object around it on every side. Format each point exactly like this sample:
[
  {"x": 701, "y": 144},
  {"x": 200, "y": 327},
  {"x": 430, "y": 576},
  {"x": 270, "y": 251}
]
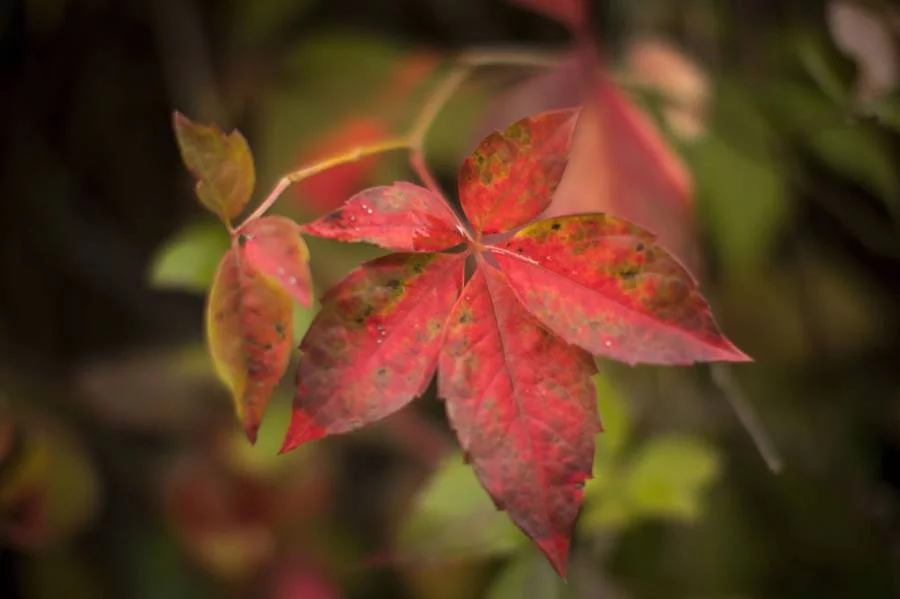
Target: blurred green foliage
[{"x": 454, "y": 518}]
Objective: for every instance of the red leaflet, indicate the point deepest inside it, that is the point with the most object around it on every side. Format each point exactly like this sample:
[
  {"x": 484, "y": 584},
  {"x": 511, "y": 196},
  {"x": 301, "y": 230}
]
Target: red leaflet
[
  {"x": 511, "y": 176},
  {"x": 402, "y": 217},
  {"x": 373, "y": 346},
  {"x": 524, "y": 409},
  {"x": 273, "y": 246},
  {"x": 601, "y": 283},
  {"x": 249, "y": 330},
  {"x": 221, "y": 164},
  {"x": 571, "y": 13}
]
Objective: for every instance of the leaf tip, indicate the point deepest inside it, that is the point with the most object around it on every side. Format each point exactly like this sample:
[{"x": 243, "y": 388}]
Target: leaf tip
[
  {"x": 251, "y": 431},
  {"x": 178, "y": 118},
  {"x": 731, "y": 353},
  {"x": 556, "y": 550},
  {"x": 302, "y": 429}
]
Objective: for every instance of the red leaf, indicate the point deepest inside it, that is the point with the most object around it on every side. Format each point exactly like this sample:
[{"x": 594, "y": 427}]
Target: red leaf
[
  {"x": 274, "y": 247},
  {"x": 249, "y": 329},
  {"x": 222, "y": 165},
  {"x": 620, "y": 165},
  {"x": 602, "y": 284},
  {"x": 571, "y": 13},
  {"x": 327, "y": 190},
  {"x": 402, "y": 217},
  {"x": 373, "y": 346},
  {"x": 524, "y": 409},
  {"x": 510, "y": 178}
]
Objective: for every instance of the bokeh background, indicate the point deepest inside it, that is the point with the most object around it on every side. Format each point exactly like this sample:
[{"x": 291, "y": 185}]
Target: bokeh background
[{"x": 122, "y": 472}]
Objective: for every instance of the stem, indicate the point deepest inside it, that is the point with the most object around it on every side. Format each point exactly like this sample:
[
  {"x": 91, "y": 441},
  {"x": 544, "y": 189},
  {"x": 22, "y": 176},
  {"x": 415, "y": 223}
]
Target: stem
[
  {"x": 314, "y": 169},
  {"x": 420, "y": 167}
]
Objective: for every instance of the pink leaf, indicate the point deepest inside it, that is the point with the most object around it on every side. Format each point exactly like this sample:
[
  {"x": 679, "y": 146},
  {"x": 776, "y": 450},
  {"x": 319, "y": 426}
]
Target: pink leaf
[
  {"x": 274, "y": 247},
  {"x": 402, "y": 217}
]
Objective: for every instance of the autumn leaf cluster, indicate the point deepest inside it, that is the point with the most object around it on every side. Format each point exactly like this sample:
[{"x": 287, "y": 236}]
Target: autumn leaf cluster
[{"x": 507, "y": 308}]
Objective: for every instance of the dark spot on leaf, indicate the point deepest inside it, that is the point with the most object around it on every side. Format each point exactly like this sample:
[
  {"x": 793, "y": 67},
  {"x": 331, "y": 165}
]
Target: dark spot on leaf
[
  {"x": 629, "y": 272},
  {"x": 359, "y": 319},
  {"x": 280, "y": 329},
  {"x": 392, "y": 284},
  {"x": 242, "y": 240},
  {"x": 640, "y": 247},
  {"x": 556, "y": 226},
  {"x": 520, "y": 249},
  {"x": 464, "y": 318}
]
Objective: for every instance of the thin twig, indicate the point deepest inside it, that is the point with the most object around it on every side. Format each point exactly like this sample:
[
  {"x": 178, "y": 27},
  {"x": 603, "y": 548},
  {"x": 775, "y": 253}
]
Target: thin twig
[
  {"x": 724, "y": 380},
  {"x": 351, "y": 156}
]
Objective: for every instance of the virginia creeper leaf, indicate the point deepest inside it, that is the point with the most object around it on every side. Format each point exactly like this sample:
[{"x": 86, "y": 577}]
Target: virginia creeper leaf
[
  {"x": 249, "y": 324},
  {"x": 524, "y": 410},
  {"x": 511, "y": 176},
  {"x": 373, "y": 346},
  {"x": 273, "y": 246},
  {"x": 571, "y": 13},
  {"x": 402, "y": 217},
  {"x": 602, "y": 284},
  {"x": 222, "y": 165}
]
